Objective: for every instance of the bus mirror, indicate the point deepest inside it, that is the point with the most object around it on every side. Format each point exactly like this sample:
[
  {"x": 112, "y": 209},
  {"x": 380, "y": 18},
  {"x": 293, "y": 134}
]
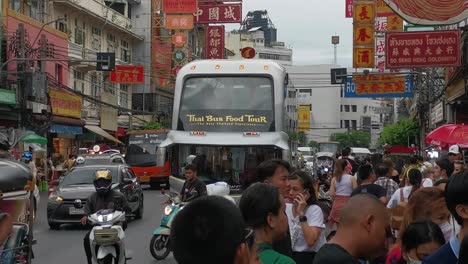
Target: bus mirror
[{"x": 160, "y": 157}]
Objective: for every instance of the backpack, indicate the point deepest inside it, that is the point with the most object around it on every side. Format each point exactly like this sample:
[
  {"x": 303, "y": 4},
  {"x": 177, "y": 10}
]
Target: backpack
[{"x": 397, "y": 212}]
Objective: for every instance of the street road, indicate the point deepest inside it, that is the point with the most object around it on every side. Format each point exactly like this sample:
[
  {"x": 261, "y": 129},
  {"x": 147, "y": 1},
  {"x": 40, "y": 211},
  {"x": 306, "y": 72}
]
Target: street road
[{"x": 65, "y": 246}]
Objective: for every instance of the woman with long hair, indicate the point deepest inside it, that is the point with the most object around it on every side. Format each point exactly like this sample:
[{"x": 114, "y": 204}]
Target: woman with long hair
[
  {"x": 392, "y": 172},
  {"x": 342, "y": 185},
  {"x": 425, "y": 204},
  {"x": 404, "y": 193},
  {"x": 305, "y": 217}
]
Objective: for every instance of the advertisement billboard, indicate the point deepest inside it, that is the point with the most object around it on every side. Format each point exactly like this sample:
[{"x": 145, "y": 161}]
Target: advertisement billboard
[
  {"x": 65, "y": 104},
  {"x": 180, "y": 6},
  {"x": 303, "y": 118},
  {"x": 423, "y": 49},
  {"x": 219, "y": 13},
  {"x": 379, "y": 86},
  {"x": 430, "y": 12},
  {"x": 179, "y": 22},
  {"x": 128, "y": 74},
  {"x": 214, "y": 41}
]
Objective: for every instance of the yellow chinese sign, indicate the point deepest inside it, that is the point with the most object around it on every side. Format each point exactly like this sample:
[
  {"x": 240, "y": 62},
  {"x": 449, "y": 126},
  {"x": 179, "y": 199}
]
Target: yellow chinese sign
[
  {"x": 364, "y": 13},
  {"x": 383, "y": 10},
  {"x": 65, "y": 104},
  {"x": 380, "y": 84},
  {"x": 363, "y": 57},
  {"x": 394, "y": 23},
  {"x": 303, "y": 118},
  {"x": 364, "y": 35}
]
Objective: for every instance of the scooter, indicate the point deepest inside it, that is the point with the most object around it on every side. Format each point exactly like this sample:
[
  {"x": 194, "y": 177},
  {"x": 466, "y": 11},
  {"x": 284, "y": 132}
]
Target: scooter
[
  {"x": 160, "y": 242},
  {"x": 107, "y": 237}
]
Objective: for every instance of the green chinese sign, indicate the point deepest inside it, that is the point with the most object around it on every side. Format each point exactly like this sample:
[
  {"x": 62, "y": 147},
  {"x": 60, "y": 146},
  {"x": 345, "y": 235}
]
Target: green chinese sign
[
  {"x": 179, "y": 56},
  {"x": 7, "y": 97}
]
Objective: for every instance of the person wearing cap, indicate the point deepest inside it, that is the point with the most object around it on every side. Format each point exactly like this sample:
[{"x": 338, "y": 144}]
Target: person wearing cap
[{"x": 454, "y": 153}]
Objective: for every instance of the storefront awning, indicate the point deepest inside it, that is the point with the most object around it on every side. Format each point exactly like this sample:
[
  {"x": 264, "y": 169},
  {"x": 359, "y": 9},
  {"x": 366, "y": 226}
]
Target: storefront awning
[{"x": 101, "y": 132}]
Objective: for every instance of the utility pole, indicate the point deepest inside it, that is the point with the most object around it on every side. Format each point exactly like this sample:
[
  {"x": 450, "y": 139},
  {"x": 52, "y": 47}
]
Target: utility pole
[
  {"x": 43, "y": 52},
  {"x": 21, "y": 68}
]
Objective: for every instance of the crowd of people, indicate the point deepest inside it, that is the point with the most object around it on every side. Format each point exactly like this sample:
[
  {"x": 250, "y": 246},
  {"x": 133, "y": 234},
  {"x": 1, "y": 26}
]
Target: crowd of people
[{"x": 379, "y": 215}]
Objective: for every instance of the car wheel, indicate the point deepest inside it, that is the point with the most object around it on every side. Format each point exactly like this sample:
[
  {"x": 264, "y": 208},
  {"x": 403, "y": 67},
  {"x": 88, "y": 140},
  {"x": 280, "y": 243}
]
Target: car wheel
[
  {"x": 54, "y": 226},
  {"x": 139, "y": 212}
]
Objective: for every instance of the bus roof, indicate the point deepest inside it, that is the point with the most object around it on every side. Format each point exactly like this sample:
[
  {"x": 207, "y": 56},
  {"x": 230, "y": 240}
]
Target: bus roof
[{"x": 231, "y": 67}]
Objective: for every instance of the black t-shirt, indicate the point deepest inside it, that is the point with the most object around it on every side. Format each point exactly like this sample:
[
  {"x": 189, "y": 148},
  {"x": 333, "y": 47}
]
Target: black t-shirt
[
  {"x": 193, "y": 189},
  {"x": 373, "y": 189},
  {"x": 334, "y": 254}
]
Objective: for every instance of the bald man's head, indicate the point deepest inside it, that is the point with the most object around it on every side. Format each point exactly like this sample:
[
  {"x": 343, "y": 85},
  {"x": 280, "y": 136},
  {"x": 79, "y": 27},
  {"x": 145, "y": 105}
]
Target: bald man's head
[
  {"x": 360, "y": 206},
  {"x": 366, "y": 219}
]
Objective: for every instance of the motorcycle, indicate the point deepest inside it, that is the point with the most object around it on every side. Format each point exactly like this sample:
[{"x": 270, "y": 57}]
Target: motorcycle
[
  {"x": 160, "y": 242},
  {"x": 107, "y": 236}
]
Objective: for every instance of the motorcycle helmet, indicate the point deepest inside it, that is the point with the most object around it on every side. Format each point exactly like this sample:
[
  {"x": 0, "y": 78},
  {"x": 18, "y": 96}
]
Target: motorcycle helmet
[
  {"x": 103, "y": 181},
  {"x": 27, "y": 156},
  {"x": 80, "y": 160}
]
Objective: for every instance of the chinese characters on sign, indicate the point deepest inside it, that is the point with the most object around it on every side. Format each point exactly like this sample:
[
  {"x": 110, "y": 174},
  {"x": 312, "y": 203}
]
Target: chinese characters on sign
[
  {"x": 128, "y": 74},
  {"x": 364, "y": 29},
  {"x": 381, "y": 24},
  {"x": 180, "y": 6},
  {"x": 179, "y": 39},
  {"x": 383, "y": 10},
  {"x": 179, "y": 21},
  {"x": 220, "y": 13},
  {"x": 214, "y": 42},
  {"x": 65, "y": 104},
  {"x": 394, "y": 23},
  {"x": 379, "y": 86},
  {"x": 423, "y": 49},
  {"x": 349, "y": 8}
]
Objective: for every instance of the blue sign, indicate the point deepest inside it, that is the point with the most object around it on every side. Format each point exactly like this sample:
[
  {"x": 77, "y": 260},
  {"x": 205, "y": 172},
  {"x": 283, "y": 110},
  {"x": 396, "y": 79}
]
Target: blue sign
[
  {"x": 350, "y": 90},
  {"x": 63, "y": 129}
]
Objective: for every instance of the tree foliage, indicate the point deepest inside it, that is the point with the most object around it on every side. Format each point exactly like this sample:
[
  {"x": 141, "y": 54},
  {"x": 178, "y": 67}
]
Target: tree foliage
[
  {"x": 152, "y": 126},
  {"x": 398, "y": 134},
  {"x": 355, "y": 138},
  {"x": 313, "y": 144}
]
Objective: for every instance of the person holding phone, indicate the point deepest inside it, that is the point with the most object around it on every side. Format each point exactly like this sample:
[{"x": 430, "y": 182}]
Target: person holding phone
[{"x": 305, "y": 217}]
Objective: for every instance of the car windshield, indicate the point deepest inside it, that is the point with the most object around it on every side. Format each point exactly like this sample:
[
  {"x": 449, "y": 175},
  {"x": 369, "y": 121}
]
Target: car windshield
[
  {"x": 85, "y": 175},
  {"x": 102, "y": 160}
]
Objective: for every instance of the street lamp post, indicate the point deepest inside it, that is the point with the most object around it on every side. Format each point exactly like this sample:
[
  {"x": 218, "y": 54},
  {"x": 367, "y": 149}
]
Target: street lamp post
[{"x": 42, "y": 28}]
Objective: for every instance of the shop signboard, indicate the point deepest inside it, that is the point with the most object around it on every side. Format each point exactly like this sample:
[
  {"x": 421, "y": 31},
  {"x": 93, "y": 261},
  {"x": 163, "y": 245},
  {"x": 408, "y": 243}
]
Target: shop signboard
[
  {"x": 179, "y": 56},
  {"x": 364, "y": 12},
  {"x": 161, "y": 62},
  {"x": 179, "y": 39},
  {"x": 364, "y": 35},
  {"x": 65, "y": 104},
  {"x": 379, "y": 86},
  {"x": 179, "y": 22},
  {"x": 383, "y": 10},
  {"x": 214, "y": 41},
  {"x": 303, "y": 118},
  {"x": 248, "y": 53},
  {"x": 219, "y": 13},
  {"x": 180, "y": 6},
  {"x": 109, "y": 115},
  {"x": 394, "y": 23},
  {"x": 437, "y": 113},
  {"x": 7, "y": 97},
  {"x": 128, "y": 74},
  {"x": 363, "y": 57},
  {"x": 423, "y": 49}
]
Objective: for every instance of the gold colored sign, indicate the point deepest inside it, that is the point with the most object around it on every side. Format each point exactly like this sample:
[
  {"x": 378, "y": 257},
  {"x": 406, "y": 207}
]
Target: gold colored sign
[
  {"x": 363, "y": 57},
  {"x": 364, "y": 13},
  {"x": 303, "y": 118},
  {"x": 394, "y": 23},
  {"x": 364, "y": 35}
]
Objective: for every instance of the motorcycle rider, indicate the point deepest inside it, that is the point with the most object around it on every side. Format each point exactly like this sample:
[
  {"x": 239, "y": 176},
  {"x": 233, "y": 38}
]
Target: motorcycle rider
[
  {"x": 193, "y": 186},
  {"x": 103, "y": 198}
]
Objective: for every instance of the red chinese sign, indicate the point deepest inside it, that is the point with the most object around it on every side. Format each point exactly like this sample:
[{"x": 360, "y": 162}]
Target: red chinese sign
[
  {"x": 214, "y": 42},
  {"x": 423, "y": 49},
  {"x": 128, "y": 74},
  {"x": 180, "y": 6},
  {"x": 248, "y": 53},
  {"x": 161, "y": 62},
  {"x": 219, "y": 13},
  {"x": 179, "y": 21},
  {"x": 383, "y": 10},
  {"x": 179, "y": 39},
  {"x": 349, "y": 8}
]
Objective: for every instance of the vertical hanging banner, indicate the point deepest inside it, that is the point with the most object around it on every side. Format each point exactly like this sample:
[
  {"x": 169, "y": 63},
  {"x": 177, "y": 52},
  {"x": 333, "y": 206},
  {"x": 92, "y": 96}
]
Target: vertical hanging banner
[
  {"x": 349, "y": 9},
  {"x": 214, "y": 42},
  {"x": 363, "y": 37},
  {"x": 303, "y": 118}
]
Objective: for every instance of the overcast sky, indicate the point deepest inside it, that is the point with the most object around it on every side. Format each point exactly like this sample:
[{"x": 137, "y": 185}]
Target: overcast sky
[{"x": 307, "y": 26}]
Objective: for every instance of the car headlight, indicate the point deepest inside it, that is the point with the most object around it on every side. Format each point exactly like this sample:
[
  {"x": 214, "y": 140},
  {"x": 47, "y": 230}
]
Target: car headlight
[
  {"x": 168, "y": 210},
  {"x": 55, "y": 198},
  {"x": 326, "y": 169}
]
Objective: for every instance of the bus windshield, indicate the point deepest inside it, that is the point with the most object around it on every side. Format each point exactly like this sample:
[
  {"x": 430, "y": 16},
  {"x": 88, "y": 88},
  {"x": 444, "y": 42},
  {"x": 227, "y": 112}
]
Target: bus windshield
[
  {"x": 141, "y": 149},
  {"x": 227, "y": 104},
  {"x": 235, "y": 165}
]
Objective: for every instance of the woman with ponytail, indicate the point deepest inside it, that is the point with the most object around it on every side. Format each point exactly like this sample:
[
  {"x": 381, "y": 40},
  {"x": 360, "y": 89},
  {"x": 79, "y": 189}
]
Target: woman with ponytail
[{"x": 342, "y": 185}]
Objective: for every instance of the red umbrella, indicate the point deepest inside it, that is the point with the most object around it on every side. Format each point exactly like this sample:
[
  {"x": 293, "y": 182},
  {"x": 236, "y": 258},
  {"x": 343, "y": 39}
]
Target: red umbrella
[{"x": 447, "y": 135}]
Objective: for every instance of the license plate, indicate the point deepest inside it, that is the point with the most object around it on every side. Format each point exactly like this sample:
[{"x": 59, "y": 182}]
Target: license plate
[
  {"x": 75, "y": 211},
  {"x": 144, "y": 179}
]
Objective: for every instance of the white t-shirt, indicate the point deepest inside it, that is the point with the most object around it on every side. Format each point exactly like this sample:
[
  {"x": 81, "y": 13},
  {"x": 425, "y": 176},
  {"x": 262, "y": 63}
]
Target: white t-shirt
[
  {"x": 314, "y": 218},
  {"x": 396, "y": 198},
  {"x": 426, "y": 182}
]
